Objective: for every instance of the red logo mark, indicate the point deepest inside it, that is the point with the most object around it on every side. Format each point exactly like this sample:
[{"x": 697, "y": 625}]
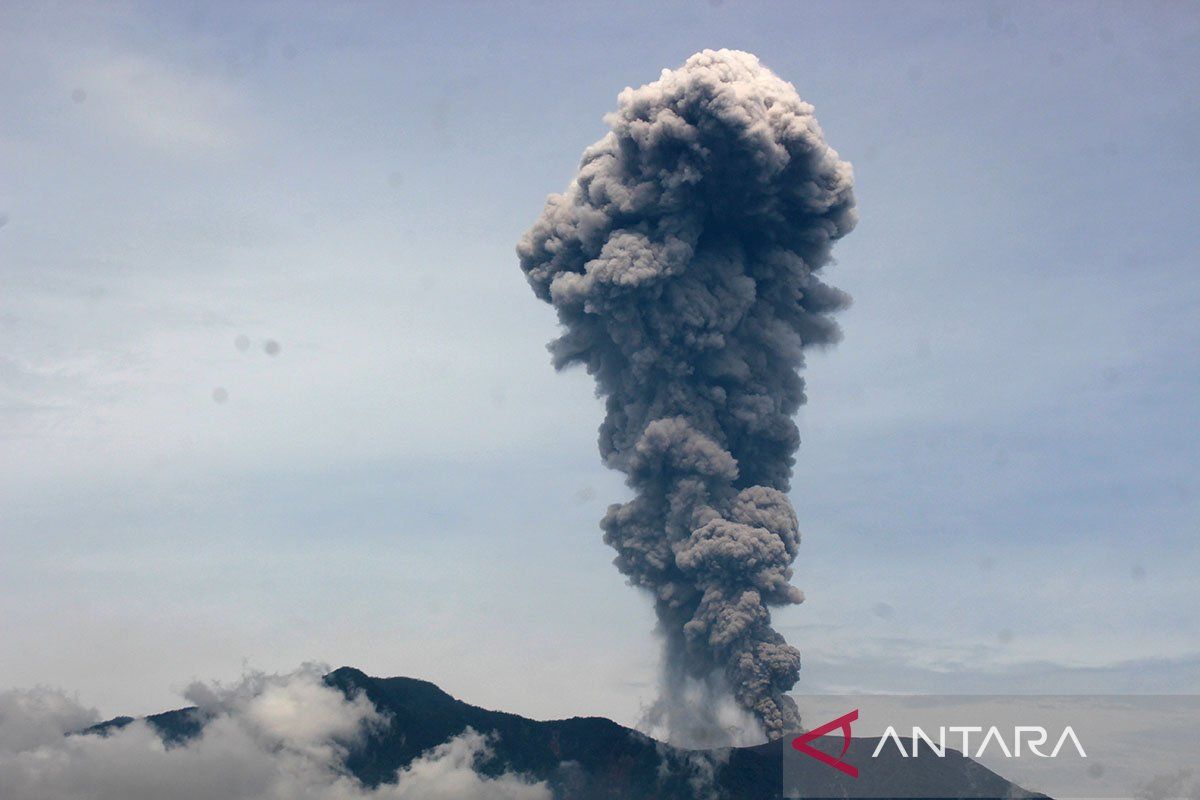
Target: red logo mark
[{"x": 801, "y": 743}]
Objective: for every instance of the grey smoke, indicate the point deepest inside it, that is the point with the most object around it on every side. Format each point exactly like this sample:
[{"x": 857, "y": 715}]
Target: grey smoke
[{"x": 683, "y": 263}]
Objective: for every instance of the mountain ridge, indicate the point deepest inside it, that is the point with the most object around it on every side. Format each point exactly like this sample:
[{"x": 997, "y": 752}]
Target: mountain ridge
[{"x": 595, "y": 758}]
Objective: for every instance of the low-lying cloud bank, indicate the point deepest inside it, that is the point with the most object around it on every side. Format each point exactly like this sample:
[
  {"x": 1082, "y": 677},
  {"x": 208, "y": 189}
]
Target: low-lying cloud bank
[{"x": 269, "y": 737}]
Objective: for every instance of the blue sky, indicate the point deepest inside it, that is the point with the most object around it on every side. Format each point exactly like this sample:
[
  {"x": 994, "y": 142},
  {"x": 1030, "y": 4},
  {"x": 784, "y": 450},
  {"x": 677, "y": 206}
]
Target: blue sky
[{"x": 998, "y": 484}]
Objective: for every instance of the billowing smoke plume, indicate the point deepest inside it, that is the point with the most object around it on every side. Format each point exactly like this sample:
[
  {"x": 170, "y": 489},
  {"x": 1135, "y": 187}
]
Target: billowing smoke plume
[{"x": 683, "y": 261}]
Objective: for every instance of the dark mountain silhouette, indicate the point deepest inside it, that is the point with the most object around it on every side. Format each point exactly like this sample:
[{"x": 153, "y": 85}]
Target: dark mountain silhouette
[{"x": 586, "y": 758}]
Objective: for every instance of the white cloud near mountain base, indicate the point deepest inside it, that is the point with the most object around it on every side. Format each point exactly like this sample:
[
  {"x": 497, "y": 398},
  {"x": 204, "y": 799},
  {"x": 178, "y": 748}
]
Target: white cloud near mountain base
[{"x": 268, "y": 738}]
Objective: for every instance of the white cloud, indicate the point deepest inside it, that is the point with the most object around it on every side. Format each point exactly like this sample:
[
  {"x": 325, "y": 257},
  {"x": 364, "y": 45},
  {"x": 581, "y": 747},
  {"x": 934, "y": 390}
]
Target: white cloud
[
  {"x": 447, "y": 771},
  {"x": 158, "y": 105},
  {"x": 269, "y": 737},
  {"x": 33, "y": 718}
]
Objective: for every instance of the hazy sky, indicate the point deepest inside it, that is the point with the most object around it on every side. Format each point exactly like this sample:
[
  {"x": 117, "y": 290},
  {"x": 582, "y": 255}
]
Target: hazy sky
[{"x": 998, "y": 487}]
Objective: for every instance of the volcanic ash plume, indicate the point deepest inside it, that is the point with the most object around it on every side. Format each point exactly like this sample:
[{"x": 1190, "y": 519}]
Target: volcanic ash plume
[{"x": 683, "y": 261}]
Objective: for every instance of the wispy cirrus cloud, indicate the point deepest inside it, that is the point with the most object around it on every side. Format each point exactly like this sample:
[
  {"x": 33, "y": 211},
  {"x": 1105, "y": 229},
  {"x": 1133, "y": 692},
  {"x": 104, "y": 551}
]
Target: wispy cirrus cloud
[{"x": 160, "y": 105}]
